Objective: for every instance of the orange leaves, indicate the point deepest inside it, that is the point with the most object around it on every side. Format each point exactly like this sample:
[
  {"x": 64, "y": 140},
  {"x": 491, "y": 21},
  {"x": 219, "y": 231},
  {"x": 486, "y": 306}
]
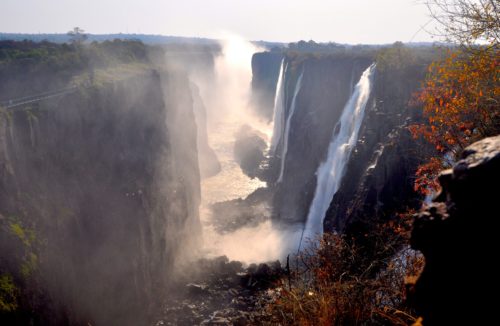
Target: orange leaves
[
  {"x": 426, "y": 176},
  {"x": 460, "y": 101}
]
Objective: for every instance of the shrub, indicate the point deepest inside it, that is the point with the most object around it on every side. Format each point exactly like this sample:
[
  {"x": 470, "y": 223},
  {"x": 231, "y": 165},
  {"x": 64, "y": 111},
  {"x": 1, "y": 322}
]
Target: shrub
[{"x": 340, "y": 280}]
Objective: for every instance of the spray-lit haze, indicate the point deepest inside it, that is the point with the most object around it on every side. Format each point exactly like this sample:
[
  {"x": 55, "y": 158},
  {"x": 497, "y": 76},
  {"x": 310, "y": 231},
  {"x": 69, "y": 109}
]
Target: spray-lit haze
[
  {"x": 242, "y": 162},
  {"x": 279, "y": 20},
  {"x": 228, "y": 108}
]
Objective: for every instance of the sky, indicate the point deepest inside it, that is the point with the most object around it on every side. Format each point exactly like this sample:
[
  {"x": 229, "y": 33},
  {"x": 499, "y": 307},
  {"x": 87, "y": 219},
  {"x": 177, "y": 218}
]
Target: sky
[{"x": 346, "y": 21}]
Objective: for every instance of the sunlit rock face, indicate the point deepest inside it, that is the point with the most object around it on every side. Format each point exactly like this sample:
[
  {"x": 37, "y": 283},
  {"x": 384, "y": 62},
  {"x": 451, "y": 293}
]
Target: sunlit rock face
[
  {"x": 326, "y": 85},
  {"x": 378, "y": 181},
  {"x": 94, "y": 173},
  {"x": 331, "y": 171},
  {"x": 456, "y": 236}
]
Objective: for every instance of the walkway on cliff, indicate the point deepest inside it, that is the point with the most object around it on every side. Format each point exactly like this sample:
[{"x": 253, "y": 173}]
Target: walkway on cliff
[{"x": 21, "y": 102}]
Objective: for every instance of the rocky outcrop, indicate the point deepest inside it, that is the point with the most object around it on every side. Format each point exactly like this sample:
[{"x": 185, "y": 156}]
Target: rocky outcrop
[
  {"x": 249, "y": 149},
  {"x": 456, "y": 235},
  {"x": 102, "y": 181},
  {"x": 222, "y": 292}
]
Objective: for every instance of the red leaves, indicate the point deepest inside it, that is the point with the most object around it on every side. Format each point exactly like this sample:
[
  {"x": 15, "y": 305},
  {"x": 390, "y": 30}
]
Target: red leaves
[
  {"x": 460, "y": 100},
  {"x": 426, "y": 176}
]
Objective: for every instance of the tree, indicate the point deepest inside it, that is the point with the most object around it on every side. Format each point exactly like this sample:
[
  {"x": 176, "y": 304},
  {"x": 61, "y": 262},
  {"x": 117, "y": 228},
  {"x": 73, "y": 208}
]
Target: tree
[
  {"x": 460, "y": 96},
  {"x": 394, "y": 57},
  {"x": 467, "y": 22},
  {"x": 77, "y": 35}
]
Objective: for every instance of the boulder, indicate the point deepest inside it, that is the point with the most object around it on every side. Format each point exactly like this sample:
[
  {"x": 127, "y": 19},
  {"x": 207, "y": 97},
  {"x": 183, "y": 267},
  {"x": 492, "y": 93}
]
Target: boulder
[
  {"x": 249, "y": 149},
  {"x": 456, "y": 235}
]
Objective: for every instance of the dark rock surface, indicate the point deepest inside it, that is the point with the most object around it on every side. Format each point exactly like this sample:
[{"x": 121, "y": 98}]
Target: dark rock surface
[
  {"x": 378, "y": 180},
  {"x": 456, "y": 234},
  {"x": 249, "y": 148},
  {"x": 326, "y": 87},
  {"x": 237, "y": 213},
  {"x": 109, "y": 192},
  {"x": 265, "y": 71},
  {"x": 220, "y": 292}
]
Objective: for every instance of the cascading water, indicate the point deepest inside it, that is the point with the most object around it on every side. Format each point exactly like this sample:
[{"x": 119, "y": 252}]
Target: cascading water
[
  {"x": 279, "y": 108},
  {"x": 286, "y": 133},
  {"x": 227, "y": 111},
  {"x": 330, "y": 172}
]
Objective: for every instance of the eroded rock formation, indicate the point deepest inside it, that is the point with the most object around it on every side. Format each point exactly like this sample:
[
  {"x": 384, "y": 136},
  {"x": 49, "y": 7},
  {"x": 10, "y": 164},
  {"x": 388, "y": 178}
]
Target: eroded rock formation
[{"x": 456, "y": 234}]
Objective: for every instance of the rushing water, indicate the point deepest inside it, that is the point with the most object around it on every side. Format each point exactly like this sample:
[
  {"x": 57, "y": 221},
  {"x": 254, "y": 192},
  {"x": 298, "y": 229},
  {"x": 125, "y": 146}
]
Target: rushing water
[
  {"x": 330, "y": 172},
  {"x": 286, "y": 133},
  {"x": 279, "y": 108},
  {"x": 227, "y": 110},
  {"x": 230, "y": 182}
]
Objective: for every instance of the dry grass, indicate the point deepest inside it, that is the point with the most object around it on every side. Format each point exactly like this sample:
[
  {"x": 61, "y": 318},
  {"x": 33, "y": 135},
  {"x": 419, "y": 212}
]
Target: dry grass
[{"x": 346, "y": 281}]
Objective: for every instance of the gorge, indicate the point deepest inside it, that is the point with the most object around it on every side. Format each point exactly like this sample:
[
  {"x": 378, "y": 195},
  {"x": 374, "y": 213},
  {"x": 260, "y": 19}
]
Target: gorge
[{"x": 173, "y": 184}]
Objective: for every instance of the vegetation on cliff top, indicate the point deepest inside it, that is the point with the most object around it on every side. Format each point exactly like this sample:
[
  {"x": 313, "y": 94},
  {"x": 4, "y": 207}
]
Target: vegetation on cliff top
[
  {"x": 461, "y": 94},
  {"x": 28, "y": 68}
]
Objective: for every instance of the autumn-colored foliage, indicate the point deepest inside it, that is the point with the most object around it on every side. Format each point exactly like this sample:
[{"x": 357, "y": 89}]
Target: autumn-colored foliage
[
  {"x": 341, "y": 280},
  {"x": 426, "y": 181},
  {"x": 460, "y": 104}
]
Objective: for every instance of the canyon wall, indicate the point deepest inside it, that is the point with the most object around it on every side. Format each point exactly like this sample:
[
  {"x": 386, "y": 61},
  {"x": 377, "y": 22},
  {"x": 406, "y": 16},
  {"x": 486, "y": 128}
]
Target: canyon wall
[
  {"x": 105, "y": 181},
  {"x": 378, "y": 181},
  {"x": 326, "y": 86},
  {"x": 265, "y": 71}
]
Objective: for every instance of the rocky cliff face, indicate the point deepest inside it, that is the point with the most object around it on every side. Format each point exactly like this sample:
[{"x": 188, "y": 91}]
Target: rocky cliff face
[
  {"x": 107, "y": 192},
  {"x": 327, "y": 84},
  {"x": 378, "y": 181},
  {"x": 208, "y": 161},
  {"x": 379, "y": 177},
  {"x": 265, "y": 71},
  {"x": 456, "y": 235}
]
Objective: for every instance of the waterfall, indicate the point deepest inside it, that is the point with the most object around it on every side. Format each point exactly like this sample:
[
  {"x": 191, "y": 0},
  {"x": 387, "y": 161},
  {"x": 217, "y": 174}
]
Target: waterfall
[
  {"x": 287, "y": 127},
  {"x": 330, "y": 172},
  {"x": 279, "y": 108}
]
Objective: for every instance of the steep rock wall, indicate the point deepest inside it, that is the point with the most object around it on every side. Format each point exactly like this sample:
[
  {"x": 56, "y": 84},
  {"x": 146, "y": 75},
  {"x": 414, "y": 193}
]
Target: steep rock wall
[
  {"x": 379, "y": 178},
  {"x": 109, "y": 193},
  {"x": 326, "y": 86},
  {"x": 208, "y": 161},
  {"x": 265, "y": 71}
]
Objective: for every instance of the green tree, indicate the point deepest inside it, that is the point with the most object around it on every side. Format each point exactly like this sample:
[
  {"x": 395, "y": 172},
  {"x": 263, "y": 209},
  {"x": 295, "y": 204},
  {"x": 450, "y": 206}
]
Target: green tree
[{"x": 77, "y": 35}]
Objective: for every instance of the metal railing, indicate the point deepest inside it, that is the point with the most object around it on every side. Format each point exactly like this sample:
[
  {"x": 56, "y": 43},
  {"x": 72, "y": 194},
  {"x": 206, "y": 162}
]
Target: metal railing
[{"x": 27, "y": 100}]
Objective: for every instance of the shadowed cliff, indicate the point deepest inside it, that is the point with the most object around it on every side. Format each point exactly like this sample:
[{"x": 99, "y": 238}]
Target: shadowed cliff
[
  {"x": 105, "y": 181},
  {"x": 456, "y": 236}
]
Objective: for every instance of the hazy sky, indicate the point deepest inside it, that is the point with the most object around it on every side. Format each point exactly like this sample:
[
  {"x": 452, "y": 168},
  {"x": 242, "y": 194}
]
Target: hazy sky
[{"x": 346, "y": 21}]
